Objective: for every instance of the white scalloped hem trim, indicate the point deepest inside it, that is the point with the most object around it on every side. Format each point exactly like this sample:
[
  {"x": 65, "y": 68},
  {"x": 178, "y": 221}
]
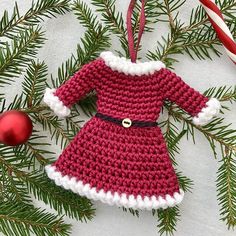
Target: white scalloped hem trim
[
  {"x": 55, "y": 104},
  {"x": 146, "y": 203},
  {"x": 122, "y": 64},
  {"x": 207, "y": 113}
]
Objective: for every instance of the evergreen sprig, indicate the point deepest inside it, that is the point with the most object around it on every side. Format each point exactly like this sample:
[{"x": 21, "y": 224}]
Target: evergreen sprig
[
  {"x": 10, "y": 26},
  {"x": 197, "y": 39},
  {"x": 86, "y": 16},
  {"x": 226, "y": 187},
  {"x": 55, "y": 126},
  {"x": 92, "y": 44},
  {"x": 167, "y": 220},
  {"x": 218, "y": 135},
  {"x": 152, "y": 14},
  {"x": 223, "y": 93},
  {"x": 23, "y": 219},
  {"x": 16, "y": 56},
  {"x": 63, "y": 201},
  {"x": 34, "y": 83},
  {"x": 12, "y": 189},
  {"x": 114, "y": 20},
  {"x": 15, "y": 179}
]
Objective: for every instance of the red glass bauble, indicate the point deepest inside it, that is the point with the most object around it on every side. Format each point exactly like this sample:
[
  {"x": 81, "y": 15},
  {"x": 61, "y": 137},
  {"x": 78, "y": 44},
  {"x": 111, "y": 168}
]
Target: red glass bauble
[{"x": 15, "y": 128}]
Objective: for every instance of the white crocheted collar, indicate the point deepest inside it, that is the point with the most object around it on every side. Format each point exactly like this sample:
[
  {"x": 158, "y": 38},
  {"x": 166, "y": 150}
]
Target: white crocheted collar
[{"x": 122, "y": 64}]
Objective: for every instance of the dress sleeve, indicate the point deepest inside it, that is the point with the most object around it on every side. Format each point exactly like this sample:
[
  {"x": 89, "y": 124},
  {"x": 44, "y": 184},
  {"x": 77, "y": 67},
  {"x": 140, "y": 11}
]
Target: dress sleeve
[
  {"x": 201, "y": 108},
  {"x": 83, "y": 81}
]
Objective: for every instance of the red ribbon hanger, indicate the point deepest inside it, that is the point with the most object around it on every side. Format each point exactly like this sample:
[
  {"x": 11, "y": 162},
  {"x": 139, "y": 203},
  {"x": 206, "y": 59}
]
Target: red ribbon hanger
[{"x": 133, "y": 49}]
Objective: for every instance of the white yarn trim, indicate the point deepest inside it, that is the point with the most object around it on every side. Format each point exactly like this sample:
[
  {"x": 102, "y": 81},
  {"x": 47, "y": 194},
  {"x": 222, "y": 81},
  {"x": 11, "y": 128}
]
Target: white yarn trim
[
  {"x": 207, "y": 113},
  {"x": 55, "y": 104},
  {"x": 122, "y": 64},
  {"x": 128, "y": 201}
]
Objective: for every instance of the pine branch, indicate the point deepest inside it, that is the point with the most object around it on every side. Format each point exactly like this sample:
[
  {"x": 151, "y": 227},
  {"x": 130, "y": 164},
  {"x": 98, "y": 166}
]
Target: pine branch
[
  {"x": 10, "y": 26},
  {"x": 200, "y": 43},
  {"x": 152, "y": 13},
  {"x": 36, "y": 151},
  {"x": 54, "y": 125},
  {"x": 185, "y": 183},
  {"x": 169, "y": 7},
  {"x": 14, "y": 58},
  {"x": 199, "y": 18},
  {"x": 63, "y": 201},
  {"x": 113, "y": 20},
  {"x": 167, "y": 220},
  {"x": 16, "y": 104},
  {"x": 215, "y": 131},
  {"x": 11, "y": 188},
  {"x": 34, "y": 83},
  {"x": 198, "y": 39},
  {"x": 172, "y": 135},
  {"x": 86, "y": 16},
  {"x": 92, "y": 45},
  {"x": 226, "y": 188},
  {"x": 218, "y": 133},
  {"x": 42, "y": 188},
  {"x": 223, "y": 93},
  {"x": 199, "y": 28},
  {"x": 167, "y": 48},
  {"x": 61, "y": 131},
  {"x": 13, "y": 162},
  {"x": 22, "y": 219},
  {"x": 229, "y": 9}
]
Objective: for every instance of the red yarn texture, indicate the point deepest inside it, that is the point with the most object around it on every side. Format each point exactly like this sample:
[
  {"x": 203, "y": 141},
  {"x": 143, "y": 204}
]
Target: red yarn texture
[{"x": 132, "y": 160}]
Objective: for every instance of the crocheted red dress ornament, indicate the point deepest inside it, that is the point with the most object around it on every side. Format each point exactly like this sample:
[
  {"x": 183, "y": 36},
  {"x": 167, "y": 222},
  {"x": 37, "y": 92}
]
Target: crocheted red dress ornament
[{"x": 119, "y": 156}]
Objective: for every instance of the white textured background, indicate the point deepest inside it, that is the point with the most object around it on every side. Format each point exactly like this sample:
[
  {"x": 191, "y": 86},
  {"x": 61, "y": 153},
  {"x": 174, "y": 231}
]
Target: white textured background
[{"x": 200, "y": 212}]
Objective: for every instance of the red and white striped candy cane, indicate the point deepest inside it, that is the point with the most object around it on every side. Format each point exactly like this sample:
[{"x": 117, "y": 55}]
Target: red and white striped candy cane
[{"x": 223, "y": 32}]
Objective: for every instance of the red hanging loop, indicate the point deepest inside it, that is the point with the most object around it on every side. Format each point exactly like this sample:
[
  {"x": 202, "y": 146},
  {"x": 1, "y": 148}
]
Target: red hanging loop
[{"x": 133, "y": 50}]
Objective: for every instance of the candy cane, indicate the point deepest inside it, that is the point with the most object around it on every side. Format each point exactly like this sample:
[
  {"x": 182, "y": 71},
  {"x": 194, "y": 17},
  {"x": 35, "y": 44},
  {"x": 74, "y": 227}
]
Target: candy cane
[{"x": 223, "y": 32}]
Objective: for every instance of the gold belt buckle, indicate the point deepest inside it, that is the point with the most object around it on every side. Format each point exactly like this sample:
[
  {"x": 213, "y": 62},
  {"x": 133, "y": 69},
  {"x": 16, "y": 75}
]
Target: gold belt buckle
[{"x": 126, "y": 122}]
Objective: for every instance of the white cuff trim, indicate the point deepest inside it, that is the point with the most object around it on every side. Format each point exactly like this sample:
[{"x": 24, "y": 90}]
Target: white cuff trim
[
  {"x": 127, "y": 201},
  {"x": 55, "y": 104},
  {"x": 122, "y": 64},
  {"x": 207, "y": 113}
]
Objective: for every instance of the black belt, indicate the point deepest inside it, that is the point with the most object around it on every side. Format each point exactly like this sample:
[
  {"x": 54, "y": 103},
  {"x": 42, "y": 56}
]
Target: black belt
[{"x": 126, "y": 122}]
